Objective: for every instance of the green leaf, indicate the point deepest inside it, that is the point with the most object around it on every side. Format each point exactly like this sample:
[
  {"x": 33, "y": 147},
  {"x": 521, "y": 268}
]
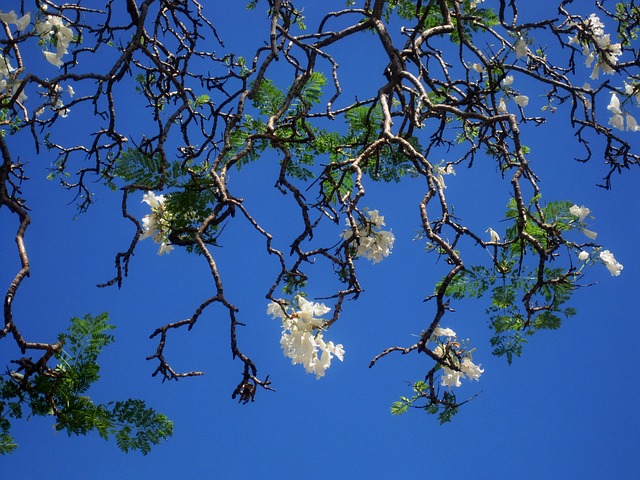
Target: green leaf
[{"x": 398, "y": 408}]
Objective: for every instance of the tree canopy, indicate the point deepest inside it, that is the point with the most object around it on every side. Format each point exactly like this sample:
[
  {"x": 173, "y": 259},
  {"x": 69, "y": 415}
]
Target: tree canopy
[{"x": 152, "y": 105}]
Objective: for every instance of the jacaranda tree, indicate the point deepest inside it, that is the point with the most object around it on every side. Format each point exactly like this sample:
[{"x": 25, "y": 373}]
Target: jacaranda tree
[{"x": 463, "y": 87}]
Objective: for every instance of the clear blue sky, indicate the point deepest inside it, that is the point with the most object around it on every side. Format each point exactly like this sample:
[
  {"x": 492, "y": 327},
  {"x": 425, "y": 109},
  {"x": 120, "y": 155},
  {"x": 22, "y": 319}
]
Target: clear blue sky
[{"x": 565, "y": 409}]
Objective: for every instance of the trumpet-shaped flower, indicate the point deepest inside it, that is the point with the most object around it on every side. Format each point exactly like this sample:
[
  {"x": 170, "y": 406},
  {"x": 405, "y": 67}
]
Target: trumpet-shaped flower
[
  {"x": 580, "y": 212},
  {"x": 494, "y": 235},
  {"x": 632, "y": 90},
  {"x": 53, "y": 59},
  {"x": 21, "y": 22},
  {"x": 521, "y": 48},
  {"x": 302, "y": 337},
  {"x": 444, "y": 332},
  {"x": 440, "y": 171},
  {"x": 502, "y": 106},
  {"x": 508, "y": 80},
  {"x": 451, "y": 378},
  {"x": 470, "y": 369},
  {"x": 614, "y": 104},
  {"x": 611, "y": 263},
  {"x": 632, "y": 124},
  {"x": 521, "y": 100},
  {"x": 589, "y": 234}
]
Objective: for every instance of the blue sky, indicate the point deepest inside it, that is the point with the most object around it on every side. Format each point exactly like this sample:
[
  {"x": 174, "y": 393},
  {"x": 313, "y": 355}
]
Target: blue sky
[{"x": 565, "y": 409}]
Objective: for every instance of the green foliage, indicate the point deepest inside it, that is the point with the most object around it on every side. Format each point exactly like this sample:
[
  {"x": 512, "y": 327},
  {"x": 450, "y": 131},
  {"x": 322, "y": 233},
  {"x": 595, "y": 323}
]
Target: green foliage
[
  {"x": 445, "y": 408},
  {"x": 139, "y": 427},
  {"x": 61, "y": 392},
  {"x": 388, "y": 163},
  {"x": 511, "y": 278},
  {"x": 268, "y": 97},
  {"x": 411, "y": 9},
  {"x": 136, "y": 167},
  {"x": 628, "y": 23},
  {"x": 471, "y": 283}
]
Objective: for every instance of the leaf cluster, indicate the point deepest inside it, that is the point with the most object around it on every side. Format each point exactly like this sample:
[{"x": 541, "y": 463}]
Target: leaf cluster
[{"x": 63, "y": 393}]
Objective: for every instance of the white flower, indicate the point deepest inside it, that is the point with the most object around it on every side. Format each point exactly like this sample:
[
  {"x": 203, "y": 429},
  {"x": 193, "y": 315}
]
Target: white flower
[
  {"x": 22, "y": 97},
  {"x": 630, "y": 89},
  {"x": 440, "y": 171},
  {"x": 583, "y": 255},
  {"x": 508, "y": 80},
  {"x": 53, "y": 59},
  {"x": 5, "y": 67},
  {"x": 495, "y": 238},
  {"x": 589, "y": 234},
  {"x": 478, "y": 67},
  {"x": 521, "y": 48},
  {"x": 443, "y": 332},
  {"x": 471, "y": 370},
  {"x": 165, "y": 247},
  {"x": 451, "y": 378},
  {"x": 276, "y": 310},
  {"x": 70, "y": 91},
  {"x": 611, "y": 263},
  {"x": 502, "y": 107},
  {"x": 153, "y": 200},
  {"x": 521, "y": 100},
  {"x": 580, "y": 212},
  {"x": 617, "y": 121},
  {"x": 632, "y": 125},
  {"x": 614, "y": 104}
]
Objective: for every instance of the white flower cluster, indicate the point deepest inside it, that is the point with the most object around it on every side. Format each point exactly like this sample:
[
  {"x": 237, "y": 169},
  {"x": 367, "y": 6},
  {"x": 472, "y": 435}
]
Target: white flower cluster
[
  {"x": 581, "y": 213},
  {"x": 605, "y": 256},
  {"x": 521, "y": 100},
  {"x": 11, "y": 18},
  {"x": 373, "y": 243},
  {"x": 302, "y": 338},
  {"x": 51, "y": 30},
  {"x": 157, "y": 224},
  {"x": 449, "y": 351},
  {"x": 620, "y": 117},
  {"x": 605, "y": 54}
]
